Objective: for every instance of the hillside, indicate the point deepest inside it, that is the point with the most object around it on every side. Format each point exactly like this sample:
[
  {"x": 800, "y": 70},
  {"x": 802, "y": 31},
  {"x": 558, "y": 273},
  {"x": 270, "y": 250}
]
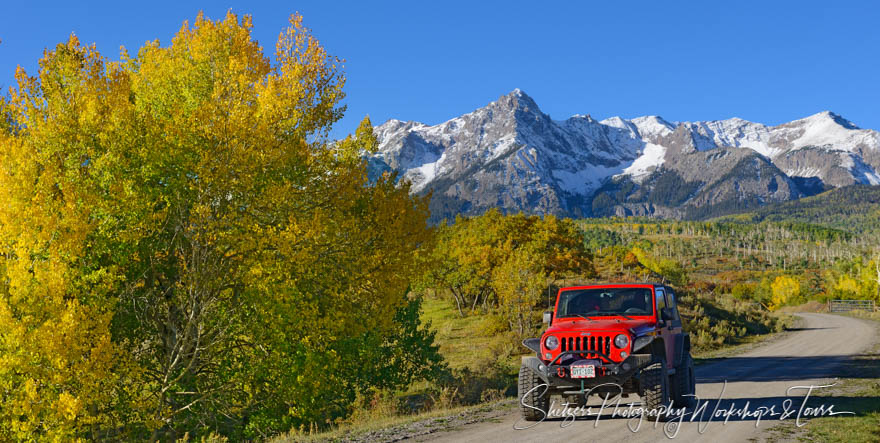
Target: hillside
[{"x": 855, "y": 209}]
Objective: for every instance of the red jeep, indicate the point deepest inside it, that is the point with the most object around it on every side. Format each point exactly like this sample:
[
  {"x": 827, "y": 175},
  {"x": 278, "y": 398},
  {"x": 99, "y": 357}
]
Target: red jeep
[{"x": 628, "y": 335}]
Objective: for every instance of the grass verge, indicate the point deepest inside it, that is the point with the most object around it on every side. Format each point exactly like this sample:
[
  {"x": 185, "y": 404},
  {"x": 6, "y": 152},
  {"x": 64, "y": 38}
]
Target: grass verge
[{"x": 401, "y": 427}]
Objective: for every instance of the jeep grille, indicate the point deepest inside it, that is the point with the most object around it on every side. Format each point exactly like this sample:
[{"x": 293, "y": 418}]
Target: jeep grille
[{"x": 587, "y": 344}]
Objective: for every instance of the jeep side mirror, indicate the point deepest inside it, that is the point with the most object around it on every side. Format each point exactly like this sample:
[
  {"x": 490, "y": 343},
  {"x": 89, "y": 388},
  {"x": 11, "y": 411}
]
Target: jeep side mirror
[
  {"x": 666, "y": 314},
  {"x": 548, "y": 317}
]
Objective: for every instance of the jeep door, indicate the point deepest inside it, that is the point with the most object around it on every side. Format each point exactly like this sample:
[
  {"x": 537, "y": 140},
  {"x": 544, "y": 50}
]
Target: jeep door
[
  {"x": 666, "y": 327},
  {"x": 677, "y": 331}
]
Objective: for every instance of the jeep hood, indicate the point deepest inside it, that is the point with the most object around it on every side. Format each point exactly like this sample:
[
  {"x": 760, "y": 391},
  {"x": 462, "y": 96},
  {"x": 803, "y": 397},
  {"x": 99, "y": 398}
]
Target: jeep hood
[{"x": 567, "y": 325}]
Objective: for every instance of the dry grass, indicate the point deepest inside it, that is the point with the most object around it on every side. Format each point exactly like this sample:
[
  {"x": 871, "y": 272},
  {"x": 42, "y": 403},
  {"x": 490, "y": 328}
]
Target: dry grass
[{"x": 810, "y": 306}]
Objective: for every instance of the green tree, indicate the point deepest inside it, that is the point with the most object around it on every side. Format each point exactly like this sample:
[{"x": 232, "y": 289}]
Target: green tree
[
  {"x": 668, "y": 269},
  {"x": 520, "y": 283}
]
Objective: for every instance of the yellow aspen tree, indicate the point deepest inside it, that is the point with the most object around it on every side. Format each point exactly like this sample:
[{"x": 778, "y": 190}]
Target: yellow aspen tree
[
  {"x": 784, "y": 289},
  {"x": 58, "y": 365},
  {"x": 184, "y": 249}
]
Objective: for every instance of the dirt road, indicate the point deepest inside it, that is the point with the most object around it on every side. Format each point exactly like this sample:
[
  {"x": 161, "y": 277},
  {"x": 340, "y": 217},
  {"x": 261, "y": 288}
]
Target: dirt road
[{"x": 816, "y": 354}]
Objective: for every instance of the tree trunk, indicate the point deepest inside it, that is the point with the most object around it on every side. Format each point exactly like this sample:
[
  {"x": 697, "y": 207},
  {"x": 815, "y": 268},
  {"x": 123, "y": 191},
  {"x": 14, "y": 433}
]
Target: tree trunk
[{"x": 457, "y": 302}]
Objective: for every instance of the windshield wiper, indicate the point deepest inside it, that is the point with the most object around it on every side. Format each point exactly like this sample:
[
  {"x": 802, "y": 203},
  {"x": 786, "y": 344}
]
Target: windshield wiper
[
  {"x": 609, "y": 314},
  {"x": 587, "y": 315}
]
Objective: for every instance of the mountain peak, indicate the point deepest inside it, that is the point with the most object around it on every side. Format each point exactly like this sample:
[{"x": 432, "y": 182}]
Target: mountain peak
[
  {"x": 653, "y": 125},
  {"x": 652, "y": 118},
  {"x": 519, "y": 94},
  {"x": 826, "y": 116},
  {"x": 840, "y": 120},
  {"x": 517, "y": 99}
]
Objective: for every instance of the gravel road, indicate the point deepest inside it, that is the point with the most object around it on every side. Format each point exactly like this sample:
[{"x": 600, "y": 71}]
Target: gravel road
[{"x": 815, "y": 354}]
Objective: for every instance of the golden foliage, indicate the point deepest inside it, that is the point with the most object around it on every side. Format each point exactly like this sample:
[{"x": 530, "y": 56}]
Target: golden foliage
[
  {"x": 184, "y": 247},
  {"x": 784, "y": 289},
  {"x": 505, "y": 261}
]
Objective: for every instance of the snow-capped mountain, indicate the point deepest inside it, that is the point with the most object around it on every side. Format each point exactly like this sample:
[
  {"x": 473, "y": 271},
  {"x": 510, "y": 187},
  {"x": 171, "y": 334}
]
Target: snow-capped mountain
[{"x": 512, "y": 156}]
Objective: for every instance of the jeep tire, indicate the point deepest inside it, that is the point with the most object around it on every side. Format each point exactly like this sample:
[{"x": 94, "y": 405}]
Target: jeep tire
[
  {"x": 534, "y": 399},
  {"x": 654, "y": 383},
  {"x": 685, "y": 383}
]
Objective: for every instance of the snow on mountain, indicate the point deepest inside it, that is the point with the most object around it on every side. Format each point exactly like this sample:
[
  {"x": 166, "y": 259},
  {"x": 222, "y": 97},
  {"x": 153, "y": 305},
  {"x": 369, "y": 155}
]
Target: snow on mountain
[
  {"x": 829, "y": 129},
  {"x": 734, "y": 132},
  {"x": 511, "y": 155},
  {"x": 652, "y": 157},
  {"x": 652, "y": 126}
]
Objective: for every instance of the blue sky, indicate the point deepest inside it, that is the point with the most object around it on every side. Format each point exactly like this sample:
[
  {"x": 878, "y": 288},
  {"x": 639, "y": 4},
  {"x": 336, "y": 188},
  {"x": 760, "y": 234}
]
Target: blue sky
[{"x": 769, "y": 62}]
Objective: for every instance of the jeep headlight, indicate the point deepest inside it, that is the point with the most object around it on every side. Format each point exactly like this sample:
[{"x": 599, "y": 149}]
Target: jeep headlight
[
  {"x": 551, "y": 342},
  {"x": 621, "y": 341}
]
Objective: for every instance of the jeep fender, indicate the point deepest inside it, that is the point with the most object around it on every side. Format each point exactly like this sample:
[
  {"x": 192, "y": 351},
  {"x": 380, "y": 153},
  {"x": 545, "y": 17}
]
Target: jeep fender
[
  {"x": 533, "y": 344},
  {"x": 537, "y": 366},
  {"x": 682, "y": 347},
  {"x": 655, "y": 347},
  {"x": 644, "y": 344}
]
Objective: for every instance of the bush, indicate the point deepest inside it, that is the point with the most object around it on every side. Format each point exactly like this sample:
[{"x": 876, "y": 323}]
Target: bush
[{"x": 716, "y": 320}]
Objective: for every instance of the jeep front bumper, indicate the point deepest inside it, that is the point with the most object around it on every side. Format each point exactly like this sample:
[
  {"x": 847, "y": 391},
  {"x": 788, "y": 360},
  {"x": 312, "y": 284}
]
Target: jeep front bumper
[{"x": 557, "y": 376}]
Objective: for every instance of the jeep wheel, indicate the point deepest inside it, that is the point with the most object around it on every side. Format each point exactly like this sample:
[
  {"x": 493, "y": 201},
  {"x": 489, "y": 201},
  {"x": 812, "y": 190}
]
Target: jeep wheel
[
  {"x": 655, "y": 385},
  {"x": 534, "y": 399},
  {"x": 685, "y": 383}
]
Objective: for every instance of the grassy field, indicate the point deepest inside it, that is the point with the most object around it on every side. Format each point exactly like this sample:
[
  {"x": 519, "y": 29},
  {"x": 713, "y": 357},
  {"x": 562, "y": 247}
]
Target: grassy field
[{"x": 470, "y": 341}]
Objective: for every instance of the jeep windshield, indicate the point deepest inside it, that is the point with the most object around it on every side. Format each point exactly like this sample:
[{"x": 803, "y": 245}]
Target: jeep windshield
[{"x": 587, "y": 303}]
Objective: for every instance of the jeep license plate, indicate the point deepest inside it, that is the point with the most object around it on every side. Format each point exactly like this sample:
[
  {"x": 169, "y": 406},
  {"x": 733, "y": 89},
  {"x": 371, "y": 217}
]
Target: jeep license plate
[{"x": 585, "y": 371}]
